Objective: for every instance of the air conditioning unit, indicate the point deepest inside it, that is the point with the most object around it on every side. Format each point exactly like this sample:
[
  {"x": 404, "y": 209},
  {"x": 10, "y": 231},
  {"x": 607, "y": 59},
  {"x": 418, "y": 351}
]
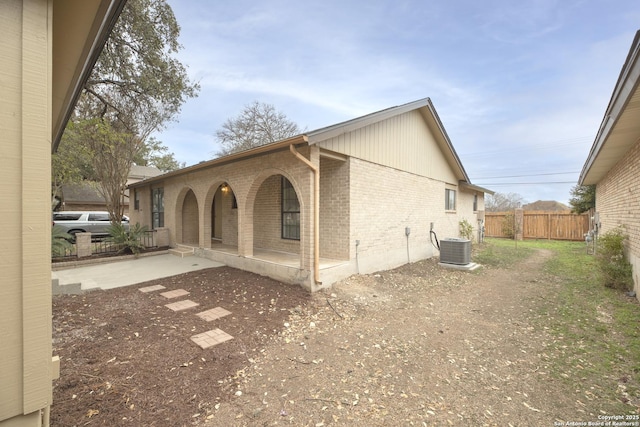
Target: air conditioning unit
[{"x": 455, "y": 251}]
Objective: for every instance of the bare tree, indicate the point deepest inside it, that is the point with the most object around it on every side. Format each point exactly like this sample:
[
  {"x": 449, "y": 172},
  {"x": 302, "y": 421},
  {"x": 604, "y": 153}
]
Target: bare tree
[
  {"x": 502, "y": 202},
  {"x": 258, "y": 124}
]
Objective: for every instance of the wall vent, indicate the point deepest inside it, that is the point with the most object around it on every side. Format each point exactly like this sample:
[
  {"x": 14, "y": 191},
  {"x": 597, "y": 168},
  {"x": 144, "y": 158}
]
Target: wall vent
[{"x": 455, "y": 251}]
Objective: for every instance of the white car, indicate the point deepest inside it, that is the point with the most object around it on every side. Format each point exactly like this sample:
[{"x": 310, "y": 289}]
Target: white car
[{"x": 94, "y": 222}]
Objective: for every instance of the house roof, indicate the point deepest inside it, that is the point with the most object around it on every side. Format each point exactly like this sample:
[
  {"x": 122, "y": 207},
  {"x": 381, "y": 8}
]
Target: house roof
[
  {"x": 84, "y": 193},
  {"x": 80, "y": 30},
  {"x": 620, "y": 127},
  {"x": 143, "y": 172},
  {"x": 310, "y": 138},
  {"x": 426, "y": 108}
]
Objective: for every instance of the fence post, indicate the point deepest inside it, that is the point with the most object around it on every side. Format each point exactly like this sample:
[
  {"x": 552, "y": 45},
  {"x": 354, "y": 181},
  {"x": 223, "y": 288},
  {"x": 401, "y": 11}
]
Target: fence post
[
  {"x": 83, "y": 244},
  {"x": 519, "y": 222}
]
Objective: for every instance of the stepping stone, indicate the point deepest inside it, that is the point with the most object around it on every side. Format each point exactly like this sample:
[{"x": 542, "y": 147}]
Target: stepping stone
[
  {"x": 175, "y": 294},
  {"x": 151, "y": 288},
  {"x": 213, "y": 314},
  {"x": 210, "y": 338},
  {"x": 182, "y": 305}
]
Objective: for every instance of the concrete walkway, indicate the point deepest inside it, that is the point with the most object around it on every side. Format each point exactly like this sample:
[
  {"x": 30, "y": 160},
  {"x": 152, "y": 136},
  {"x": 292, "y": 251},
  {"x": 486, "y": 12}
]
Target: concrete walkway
[{"x": 129, "y": 272}]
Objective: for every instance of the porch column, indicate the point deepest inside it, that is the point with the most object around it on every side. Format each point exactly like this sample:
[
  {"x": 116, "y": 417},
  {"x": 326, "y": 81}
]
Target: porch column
[
  {"x": 245, "y": 231},
  {"x": 204, "y": 230},
  {"x": 308, "y": 245}
]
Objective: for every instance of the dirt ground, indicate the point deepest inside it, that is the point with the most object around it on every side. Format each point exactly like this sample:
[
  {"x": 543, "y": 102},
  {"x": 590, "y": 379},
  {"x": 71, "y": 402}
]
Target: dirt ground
[{"x": 418, "y": 345}]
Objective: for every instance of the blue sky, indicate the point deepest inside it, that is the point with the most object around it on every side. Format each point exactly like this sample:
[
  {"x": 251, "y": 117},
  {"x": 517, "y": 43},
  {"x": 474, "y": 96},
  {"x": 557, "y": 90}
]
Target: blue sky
[{"x": 521, "y": 87}]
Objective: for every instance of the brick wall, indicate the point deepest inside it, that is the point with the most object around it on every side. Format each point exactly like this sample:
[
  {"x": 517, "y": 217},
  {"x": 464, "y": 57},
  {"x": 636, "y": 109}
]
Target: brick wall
[
  {"x": 253, "y": 180},
  {"x": 267, "y": 218},
  {"x": 359, "y": 201},
  {"x": 385, "y": 201},
  {"x": 618, "y": 203},
  {"x": 229, "y": 220},
  {"x": 190, "y": 219},
  {"x": 334, "y": 209}
]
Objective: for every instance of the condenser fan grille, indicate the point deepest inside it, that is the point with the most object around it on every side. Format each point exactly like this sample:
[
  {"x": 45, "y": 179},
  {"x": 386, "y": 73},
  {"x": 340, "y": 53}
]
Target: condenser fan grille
[{"x": 455, "y": 251}]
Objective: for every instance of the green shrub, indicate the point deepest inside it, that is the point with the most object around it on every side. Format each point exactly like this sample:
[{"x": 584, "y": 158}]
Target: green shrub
[
  {"x": 508, "y": 225},
  {"x": 60, "y": 241},
  {"x": 129, "y": 240},
  {"x": 616, "y": 270},
  {"x": 466, "y": 229}
]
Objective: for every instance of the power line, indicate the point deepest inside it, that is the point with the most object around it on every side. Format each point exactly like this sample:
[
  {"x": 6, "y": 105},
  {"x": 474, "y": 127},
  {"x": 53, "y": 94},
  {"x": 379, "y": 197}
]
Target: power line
[
  {"x": 519, "y": 149},
  {"x": 526, "y": 183},
  {"x": 522, "y": 176}
]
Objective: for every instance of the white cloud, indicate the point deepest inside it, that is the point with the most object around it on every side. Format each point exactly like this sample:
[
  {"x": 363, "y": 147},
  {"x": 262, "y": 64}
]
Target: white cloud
[{"x": 505, "y": 77}]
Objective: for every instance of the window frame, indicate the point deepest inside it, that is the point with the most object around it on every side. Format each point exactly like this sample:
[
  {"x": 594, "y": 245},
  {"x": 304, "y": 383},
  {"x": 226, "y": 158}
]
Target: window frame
[
  {"x": 288, "y": 211},
  {"x": 157, "y": 209},
  {"x": 448, "y": 201},
  {"x": 475, "y": 202},
  {"x": 136, "y": 199}
]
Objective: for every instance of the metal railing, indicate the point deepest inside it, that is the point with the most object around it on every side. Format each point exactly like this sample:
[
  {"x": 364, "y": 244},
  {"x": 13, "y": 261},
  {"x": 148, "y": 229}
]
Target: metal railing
[{"x": 102, "y": 246}]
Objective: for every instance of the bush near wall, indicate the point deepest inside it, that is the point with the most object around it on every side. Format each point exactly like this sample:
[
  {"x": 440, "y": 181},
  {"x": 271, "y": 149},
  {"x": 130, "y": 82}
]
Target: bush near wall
[{"x": 612, "y": 262}]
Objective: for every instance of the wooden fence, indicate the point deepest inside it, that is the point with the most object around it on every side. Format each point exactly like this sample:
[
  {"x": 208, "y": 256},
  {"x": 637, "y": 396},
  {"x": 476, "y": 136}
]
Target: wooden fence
[{"x": 537, "y": 225}]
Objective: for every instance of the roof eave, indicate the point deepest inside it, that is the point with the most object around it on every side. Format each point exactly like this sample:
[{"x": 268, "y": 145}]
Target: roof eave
[
  {"x": 253, "y": 152},
  {"x": 452, "y": 151},
  {"x": 342, "y": 128},
  {"x": 423, "y": 104},
  {"x": 624, "y": 89},
  {"x": 67, "y": 28},
  {"x": 468, "y": 185}
]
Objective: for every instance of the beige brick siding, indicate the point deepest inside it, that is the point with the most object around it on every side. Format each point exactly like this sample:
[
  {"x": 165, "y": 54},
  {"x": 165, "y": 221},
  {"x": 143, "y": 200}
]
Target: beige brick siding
[
  {"x": 359, "y": 200},
  {"x": 334, "y": 209},
  {"x": 250, "y": 180},
  {"x": 618, "y": 203},
  {"x": 267, "y": 216},
  {"x": 190, "y": 219},
  {"x": 384, "y": 201},
  {"x": 229, "y": 220}
]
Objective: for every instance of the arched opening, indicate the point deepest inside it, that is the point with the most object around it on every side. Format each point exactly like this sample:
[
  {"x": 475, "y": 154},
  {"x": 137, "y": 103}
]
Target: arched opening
[
  {"x": 277, "y": 216},
  {"x": 190, "y": 219},
  {"x": 223, "y": 216}
]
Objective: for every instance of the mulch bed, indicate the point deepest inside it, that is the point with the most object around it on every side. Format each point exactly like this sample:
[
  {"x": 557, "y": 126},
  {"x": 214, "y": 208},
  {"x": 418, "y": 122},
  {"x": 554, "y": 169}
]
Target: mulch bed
[{"x": 126, "y": 359}]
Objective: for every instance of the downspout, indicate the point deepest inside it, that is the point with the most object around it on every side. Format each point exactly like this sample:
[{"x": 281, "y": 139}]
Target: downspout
[{"x": 316, "y": 212}]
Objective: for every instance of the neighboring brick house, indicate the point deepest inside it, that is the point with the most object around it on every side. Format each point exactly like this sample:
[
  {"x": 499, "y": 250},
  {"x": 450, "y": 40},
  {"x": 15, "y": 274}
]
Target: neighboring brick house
[
  {"x": 613, "y": 164},
  {"x": 86, "y": 196},
  {"x": 355, "y": 197}
]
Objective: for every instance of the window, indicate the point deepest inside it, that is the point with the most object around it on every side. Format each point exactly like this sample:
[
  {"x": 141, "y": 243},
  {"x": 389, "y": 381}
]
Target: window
[
  {"x": 290, "y": 211},
  {"x": 136, "y": 199},
  {"x": 63, "y": 216},
  {"x": 99, "y": 217},
  {"x": 475, "y": 202},
  {"x": 157, "y": 208},
  {"x": 450, "y": 200}
]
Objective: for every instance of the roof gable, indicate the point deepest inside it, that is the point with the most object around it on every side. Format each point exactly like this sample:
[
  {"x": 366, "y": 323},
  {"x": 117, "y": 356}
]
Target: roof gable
[
  {"x": 408, "y": 137},
  {"x": 443, "y": 157}
]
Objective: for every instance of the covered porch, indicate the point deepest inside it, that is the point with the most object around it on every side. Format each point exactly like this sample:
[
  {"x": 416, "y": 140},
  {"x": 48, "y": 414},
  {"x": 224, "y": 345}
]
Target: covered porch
[{"x": 280, "y": 265}]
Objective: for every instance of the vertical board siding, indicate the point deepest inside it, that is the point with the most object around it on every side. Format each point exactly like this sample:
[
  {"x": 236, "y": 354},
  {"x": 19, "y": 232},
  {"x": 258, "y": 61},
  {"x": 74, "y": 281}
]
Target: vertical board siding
[
  {"x": 541, "y": 225},
  {"x": 11, "y": 389},
  {"x": 403, "y": 142}
]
